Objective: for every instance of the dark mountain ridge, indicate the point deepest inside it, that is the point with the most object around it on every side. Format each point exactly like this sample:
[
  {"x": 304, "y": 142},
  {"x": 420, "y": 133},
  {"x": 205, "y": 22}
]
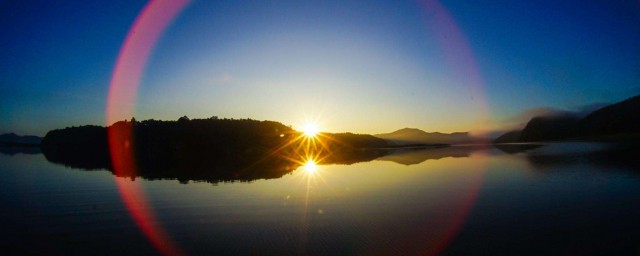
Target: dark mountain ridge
[
  {"x": 409, "y": 136},
  {"x": 616, "y": 121},
  {"x": 622, "y": 117},
  {"x": 12, "y": 139}
]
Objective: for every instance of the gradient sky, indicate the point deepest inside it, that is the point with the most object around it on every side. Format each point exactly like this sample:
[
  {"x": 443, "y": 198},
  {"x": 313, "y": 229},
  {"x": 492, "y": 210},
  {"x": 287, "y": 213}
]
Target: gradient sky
[{"x": 359, "y": 66}]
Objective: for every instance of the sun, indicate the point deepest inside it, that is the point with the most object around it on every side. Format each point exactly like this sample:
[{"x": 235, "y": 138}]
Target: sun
[{"x": 310, "y": 130}]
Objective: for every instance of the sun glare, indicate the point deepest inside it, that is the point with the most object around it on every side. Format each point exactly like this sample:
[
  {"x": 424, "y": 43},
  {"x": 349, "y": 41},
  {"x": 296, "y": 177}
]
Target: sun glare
[
  {"x": 310, "y": 166},
  {"x": 310, "y": 130}
]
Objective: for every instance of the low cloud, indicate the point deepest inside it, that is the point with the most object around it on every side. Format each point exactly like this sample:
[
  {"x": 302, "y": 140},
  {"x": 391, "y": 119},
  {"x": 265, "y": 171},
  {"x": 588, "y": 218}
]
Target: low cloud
[
  {"x": 520, "y": 120},
  {"x": 584, "y": 110}
]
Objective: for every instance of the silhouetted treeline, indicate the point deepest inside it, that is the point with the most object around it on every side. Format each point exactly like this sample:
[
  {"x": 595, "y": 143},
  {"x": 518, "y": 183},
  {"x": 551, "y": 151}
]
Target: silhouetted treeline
[
  {"x": 619, "y": 121},
  {"x": 210, "y": 150},
  {"x": 82, "y": 147}
]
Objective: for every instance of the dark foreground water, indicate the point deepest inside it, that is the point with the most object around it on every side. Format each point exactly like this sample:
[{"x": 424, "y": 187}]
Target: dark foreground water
[{"x": 567, "y": 199}]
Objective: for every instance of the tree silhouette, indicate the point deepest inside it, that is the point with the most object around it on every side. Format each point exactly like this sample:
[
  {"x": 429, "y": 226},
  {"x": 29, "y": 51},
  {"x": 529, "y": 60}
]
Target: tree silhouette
[{"x": 210, "y": 149}]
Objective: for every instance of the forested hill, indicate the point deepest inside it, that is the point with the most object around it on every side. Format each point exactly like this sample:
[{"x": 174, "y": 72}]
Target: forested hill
[{"x": 212, "y": 149}]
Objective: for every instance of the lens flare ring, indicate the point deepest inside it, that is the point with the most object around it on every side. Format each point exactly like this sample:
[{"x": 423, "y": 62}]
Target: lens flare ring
[
  {"x": 140, "y": 41},
  {"x": 152, "y": 21}
]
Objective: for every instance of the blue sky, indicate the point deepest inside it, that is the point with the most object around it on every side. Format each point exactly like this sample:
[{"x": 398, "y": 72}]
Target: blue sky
[{"x": 360, "y": 66}]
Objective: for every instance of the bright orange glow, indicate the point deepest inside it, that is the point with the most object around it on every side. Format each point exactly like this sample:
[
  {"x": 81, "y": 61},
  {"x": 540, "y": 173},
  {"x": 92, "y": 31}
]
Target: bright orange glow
[
  {"x": 310, "y": 130},
  {"x": 310, "y": 166}
]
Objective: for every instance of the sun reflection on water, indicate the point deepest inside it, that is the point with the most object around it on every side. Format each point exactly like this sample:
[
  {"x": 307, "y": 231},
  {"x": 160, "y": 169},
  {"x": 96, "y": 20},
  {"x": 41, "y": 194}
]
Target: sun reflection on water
[{"x": 310, "y": 166}]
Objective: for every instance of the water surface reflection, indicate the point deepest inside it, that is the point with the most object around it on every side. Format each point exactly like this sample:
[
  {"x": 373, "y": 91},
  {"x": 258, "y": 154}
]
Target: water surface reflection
[{"x": 456, "y": 201}]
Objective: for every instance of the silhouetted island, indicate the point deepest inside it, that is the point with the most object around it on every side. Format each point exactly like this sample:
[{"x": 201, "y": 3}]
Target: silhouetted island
[{"x": 211, "y": 150}]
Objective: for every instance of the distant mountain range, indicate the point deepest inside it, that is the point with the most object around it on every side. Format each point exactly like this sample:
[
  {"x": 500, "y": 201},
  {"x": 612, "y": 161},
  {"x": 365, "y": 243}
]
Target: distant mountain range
[
  {"x": 12, "y": 139},
  {"x": 409, "y": 136},
  {"x": 416, "y": 156},
  {"x": 616, "y": 121}
]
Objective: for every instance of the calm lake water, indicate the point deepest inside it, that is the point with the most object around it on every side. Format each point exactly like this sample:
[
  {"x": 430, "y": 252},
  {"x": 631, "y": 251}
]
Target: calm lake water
[{"x": 567, "y": 198}]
